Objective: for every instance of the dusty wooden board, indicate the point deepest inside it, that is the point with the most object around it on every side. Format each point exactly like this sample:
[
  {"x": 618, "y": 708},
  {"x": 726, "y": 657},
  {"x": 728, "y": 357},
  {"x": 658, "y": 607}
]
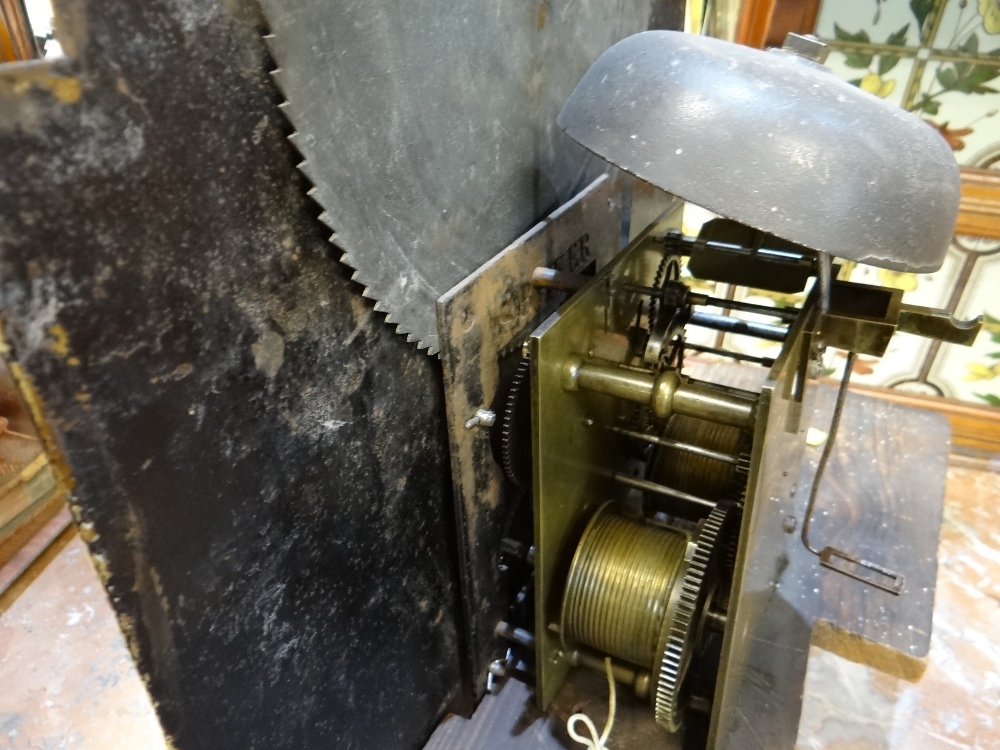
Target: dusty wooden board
[
  {"x": 508, "y": 720},
  {"x": 261, "y": 460},
  {"x": 975, "y": 428},
  {"x": 954, "y": 705},
  {"x": 884, "y": 502},
  {"x": 478, "y": 319},
  {"x": 882, "y": 499}
]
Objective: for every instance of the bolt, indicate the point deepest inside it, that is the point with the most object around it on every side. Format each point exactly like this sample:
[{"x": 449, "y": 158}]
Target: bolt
[
  {"x": 498, "y": 668},
  {"x": 789, "y": 524},
  {"x": 482, "y": 418}
]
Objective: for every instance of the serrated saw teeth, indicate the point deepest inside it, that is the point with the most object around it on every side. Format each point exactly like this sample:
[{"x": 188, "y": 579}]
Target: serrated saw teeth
[{"x": 307, "y": 48}]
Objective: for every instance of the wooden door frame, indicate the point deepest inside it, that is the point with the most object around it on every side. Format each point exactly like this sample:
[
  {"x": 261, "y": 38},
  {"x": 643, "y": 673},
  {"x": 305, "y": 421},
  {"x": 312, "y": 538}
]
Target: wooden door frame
[
  {"x": 764, "y": 23},
  {"x": 17, "y": 41}
]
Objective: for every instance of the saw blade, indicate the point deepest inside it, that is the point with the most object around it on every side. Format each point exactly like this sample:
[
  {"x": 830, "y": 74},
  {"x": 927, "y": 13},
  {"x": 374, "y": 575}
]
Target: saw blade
[{"x": 428, "y": 129}]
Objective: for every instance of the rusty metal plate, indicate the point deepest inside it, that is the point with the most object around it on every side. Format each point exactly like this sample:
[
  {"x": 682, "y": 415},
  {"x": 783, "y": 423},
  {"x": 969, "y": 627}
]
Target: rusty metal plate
[{"x": 477, "y": 320}]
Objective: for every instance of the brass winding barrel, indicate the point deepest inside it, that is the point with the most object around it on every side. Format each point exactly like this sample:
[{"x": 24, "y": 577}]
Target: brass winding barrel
[
  {"x": 698, "y": 475},
  {"x": 619, "y": 586}
]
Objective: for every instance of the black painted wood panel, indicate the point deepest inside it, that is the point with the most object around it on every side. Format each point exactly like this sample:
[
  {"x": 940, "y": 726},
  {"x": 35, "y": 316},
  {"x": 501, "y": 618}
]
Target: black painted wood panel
[{"x": 262, "y": 459}]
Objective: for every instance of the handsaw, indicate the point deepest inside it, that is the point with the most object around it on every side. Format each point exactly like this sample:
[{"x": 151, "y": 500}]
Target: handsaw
[{"x": 427, "y": 128}]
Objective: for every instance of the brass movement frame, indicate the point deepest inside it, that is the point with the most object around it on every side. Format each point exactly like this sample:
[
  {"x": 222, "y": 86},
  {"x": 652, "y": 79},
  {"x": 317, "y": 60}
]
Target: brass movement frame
[
  {"x": 578, "y": 381},
  {"x": 574, "y": 457}
]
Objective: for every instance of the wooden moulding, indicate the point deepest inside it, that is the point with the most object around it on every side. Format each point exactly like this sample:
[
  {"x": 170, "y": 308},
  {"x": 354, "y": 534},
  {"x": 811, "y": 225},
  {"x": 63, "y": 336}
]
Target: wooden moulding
[
  {"x": 16, "y": 39},
  {"x": 766, "y": 23},
  {"x": 979, "y": 208},
  {"x": 975, "y": 429},
  {"x": 22, "y": 529},
  {"x": 28, "y": 544}
]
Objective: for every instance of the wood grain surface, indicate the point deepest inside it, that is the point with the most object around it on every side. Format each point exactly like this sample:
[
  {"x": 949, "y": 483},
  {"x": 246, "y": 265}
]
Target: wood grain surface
[
  {"x": 956, "y": 704},
  {"x": 975, "y": 428},
  {"x": 979, "y": 208}
]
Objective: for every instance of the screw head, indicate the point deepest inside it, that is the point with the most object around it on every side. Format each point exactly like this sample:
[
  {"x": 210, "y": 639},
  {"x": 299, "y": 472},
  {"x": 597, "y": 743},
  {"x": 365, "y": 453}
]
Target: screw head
[{"x": 482, "y": 418}]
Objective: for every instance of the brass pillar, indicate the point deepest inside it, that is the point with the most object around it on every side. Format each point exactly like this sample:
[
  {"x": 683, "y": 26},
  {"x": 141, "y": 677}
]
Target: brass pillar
[{"x": 666, "y": 394}]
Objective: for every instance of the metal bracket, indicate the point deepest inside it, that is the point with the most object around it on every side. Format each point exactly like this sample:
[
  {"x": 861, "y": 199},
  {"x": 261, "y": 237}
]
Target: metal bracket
[
  {"x": 849, "y": 565},
  {"x": 938, "y": 324},
  {"x": 478, "y": 320}
]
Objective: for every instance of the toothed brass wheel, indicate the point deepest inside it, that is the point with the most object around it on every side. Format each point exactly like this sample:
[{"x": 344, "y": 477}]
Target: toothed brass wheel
[{"x": 636, "y": 592}]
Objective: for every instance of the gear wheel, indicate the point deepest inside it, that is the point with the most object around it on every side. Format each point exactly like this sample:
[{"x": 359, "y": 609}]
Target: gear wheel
[
  {"x": 515, "y": 456},
  {"x": 665, "y": 319},
  {"x": 668, "y": 270},
  {"x": 732, "y": 543},
  {"x": 680, "y": 626}
]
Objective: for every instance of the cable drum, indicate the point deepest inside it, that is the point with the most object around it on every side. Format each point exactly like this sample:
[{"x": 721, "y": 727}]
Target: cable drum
[
  {"x": 699, "y": 475},
  {"x": 620, "y": 584}
]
